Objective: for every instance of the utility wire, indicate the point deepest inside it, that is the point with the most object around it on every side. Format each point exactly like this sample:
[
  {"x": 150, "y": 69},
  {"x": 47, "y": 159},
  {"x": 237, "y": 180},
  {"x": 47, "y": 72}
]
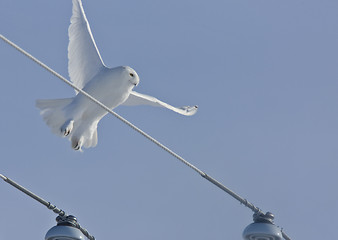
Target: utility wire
[
  {"x": 47, "y": 204},
  {"x": 286, "y": 237},
  {"x": 203, "y": 174}
]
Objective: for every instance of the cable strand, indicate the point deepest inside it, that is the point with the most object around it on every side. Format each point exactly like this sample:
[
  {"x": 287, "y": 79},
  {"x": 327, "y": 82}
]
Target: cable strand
[
  {"x": 165, "y": 148},
  {"x": 50, "y": 206},
  {"x": 125, "y": 121}
]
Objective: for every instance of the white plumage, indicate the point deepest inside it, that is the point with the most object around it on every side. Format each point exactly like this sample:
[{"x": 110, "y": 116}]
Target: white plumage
[{"x": 76, "y": 118}]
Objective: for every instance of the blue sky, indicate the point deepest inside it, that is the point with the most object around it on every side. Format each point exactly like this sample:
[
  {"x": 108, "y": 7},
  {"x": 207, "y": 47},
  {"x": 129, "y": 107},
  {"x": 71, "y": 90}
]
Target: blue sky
[{"x": 264, "y": 75}]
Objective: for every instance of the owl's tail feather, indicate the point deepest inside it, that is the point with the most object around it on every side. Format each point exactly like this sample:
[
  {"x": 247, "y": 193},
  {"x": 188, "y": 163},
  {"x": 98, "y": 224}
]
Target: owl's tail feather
[
  {"x": 53, "y": 114},
  {"x": 80, "y": 133}
]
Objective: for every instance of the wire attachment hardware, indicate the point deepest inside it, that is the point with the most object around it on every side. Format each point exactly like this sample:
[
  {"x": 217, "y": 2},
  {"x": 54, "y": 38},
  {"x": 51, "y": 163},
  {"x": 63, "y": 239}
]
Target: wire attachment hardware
[{"x": 62, "y": 219}]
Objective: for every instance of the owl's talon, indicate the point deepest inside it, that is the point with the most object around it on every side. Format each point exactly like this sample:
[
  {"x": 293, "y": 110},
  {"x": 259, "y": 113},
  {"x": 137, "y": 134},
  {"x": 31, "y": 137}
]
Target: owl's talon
[
  {"x": 76, "y": 144},
  {"x": 67, "y": 127}
]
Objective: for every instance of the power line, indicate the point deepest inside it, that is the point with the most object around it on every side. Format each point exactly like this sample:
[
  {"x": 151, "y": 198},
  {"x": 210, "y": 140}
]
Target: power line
[
  {"x": 50, "y": 206},
  {"x": 203, "y": 174}
]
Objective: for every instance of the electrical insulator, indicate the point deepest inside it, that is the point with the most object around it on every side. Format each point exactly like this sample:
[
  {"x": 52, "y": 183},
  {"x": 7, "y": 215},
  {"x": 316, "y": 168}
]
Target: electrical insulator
[
  {"x": 66, "y": 229},
  {"x": 262, "y": 228}
]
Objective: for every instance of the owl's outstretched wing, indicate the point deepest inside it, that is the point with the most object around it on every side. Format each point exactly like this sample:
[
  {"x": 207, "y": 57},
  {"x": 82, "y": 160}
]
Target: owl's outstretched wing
[
  {"x": 136, "y": 98},
  {"x": 84, "y": 60}
]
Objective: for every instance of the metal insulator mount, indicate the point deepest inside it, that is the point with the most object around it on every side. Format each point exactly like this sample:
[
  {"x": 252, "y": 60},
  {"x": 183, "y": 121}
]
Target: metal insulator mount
[{"x": 262, "y": 228}]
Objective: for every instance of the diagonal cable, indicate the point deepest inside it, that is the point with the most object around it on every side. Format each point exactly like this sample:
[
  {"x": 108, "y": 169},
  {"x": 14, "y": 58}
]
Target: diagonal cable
[
  {"x": 171, "y": 152},
  {"x": 44, "y": 202}
]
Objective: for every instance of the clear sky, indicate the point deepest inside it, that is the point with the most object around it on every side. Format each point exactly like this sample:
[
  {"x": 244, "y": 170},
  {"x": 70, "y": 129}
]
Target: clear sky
[{"x": 264, "y": 75}]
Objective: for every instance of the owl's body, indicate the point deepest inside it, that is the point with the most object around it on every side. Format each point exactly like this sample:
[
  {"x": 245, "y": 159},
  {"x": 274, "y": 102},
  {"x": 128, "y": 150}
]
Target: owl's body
[{"x": 77, "y": 117}]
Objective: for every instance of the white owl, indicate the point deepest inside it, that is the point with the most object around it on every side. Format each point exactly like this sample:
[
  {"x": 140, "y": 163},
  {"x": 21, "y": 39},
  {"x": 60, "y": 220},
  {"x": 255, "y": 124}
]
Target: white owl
[{"x": 76, "y": 118}]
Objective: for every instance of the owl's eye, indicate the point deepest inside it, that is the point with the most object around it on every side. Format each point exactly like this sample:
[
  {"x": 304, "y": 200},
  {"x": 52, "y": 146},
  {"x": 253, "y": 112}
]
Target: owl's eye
[{"x": 131, "y": 74}]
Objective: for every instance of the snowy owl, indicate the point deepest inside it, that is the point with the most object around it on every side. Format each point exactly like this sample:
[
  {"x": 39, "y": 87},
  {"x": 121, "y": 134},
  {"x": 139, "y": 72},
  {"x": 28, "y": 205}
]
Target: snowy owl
[{"x": 76, "y": 118}]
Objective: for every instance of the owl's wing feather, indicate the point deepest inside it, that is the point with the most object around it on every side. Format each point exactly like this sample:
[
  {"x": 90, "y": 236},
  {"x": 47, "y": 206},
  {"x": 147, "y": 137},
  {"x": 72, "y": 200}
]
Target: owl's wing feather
[
  {"x": 136, "y": 98},
  {"x": 84, "y": 60}
]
